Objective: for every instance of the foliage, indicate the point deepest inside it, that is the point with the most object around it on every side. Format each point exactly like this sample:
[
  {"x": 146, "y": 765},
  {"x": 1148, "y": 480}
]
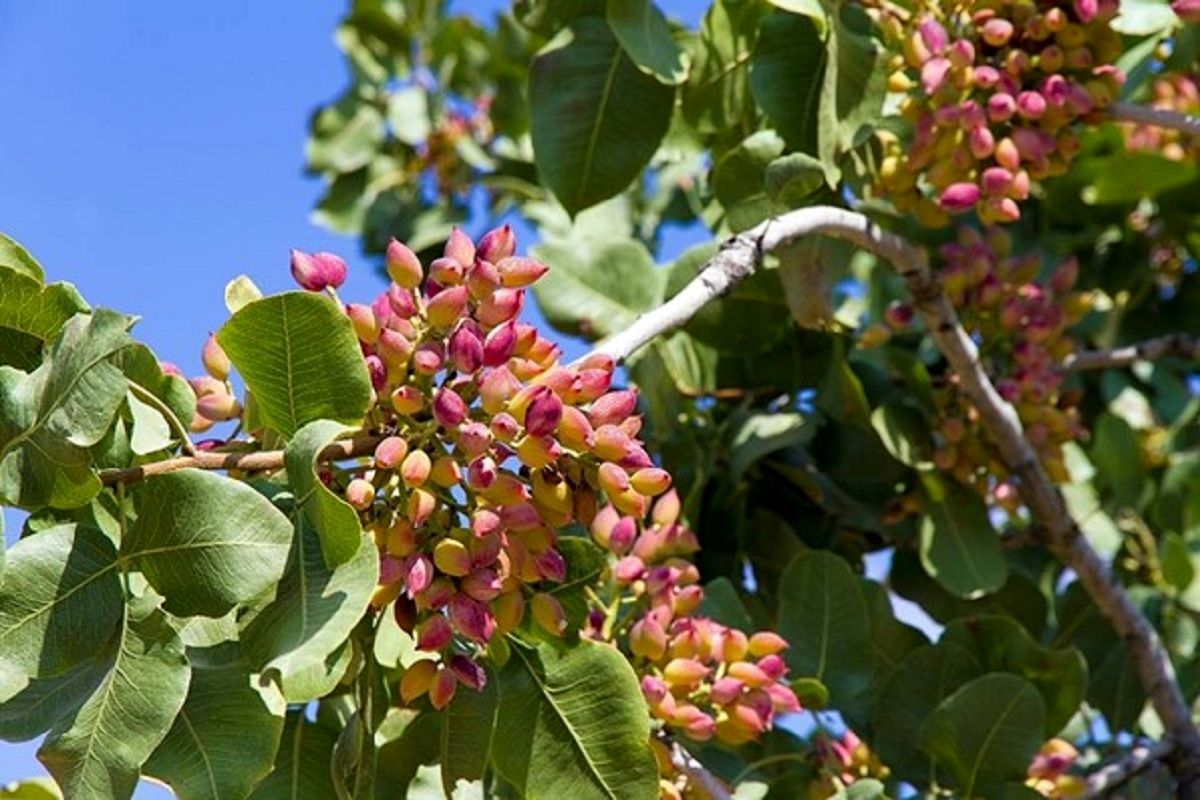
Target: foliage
[{"x": 812, "y": 432}]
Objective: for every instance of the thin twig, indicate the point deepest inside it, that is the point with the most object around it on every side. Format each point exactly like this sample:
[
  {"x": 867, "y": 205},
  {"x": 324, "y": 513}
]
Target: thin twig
[
  {"x": 696, "y": 772},
  {"x": 742, "y": 254},
  {"x": 1179, "y": 345},
  {"x": 1158, "y": 117},
  {"x": 260, "y": 461},
  {"x": 1111, "y": 777}
]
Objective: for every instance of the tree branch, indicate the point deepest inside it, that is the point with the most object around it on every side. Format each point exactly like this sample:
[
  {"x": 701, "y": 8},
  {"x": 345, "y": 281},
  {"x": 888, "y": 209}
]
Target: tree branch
[
  {"x": 696, "y": 772},
  {"x": 742, "y": 254},
  {"x": 1109, "y": 778},
  {"x": 1179, "y": 345},
  {"x": 259, "y": 461},
  {"x": 1158, "y": 117}
]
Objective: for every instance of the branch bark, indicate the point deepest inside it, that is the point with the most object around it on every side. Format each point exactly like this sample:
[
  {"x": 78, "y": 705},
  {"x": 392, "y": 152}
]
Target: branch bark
[
  {"x": 1159, "y": 118},
  {"x": 258, "y": 461},
  {"x": 1179, "y": 345},
  {"x": 696, "y": 773},
  {"x": 742, "y": 254},
  {"x": 1108, "y": 779}
]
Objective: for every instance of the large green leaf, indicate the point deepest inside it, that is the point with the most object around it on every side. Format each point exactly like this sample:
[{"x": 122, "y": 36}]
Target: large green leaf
[
  {"x": 34, "y": 789},
  {"x": 206, "y": 542},
  {"x": 958, "y": 546},
  {"x": 1002, "y": 645},
  {"x": 823, "y": 615},
  {"x": 716, "y": 97},
  {"x": 925, "y": 677},
  {"x": 786, "y": 77},
  {"x": 345, "y": 135},
  {"x": 44, "y": 701},
  {"x": 1114, "y": 450},
  {"x": 573, "y": 725},
  {"x": 17, "y": 258},
  {"x": 99, "y": 751},
  {"x": 468, "y": 725},
  {"x": 334, "y": 520},
  {"x": 302, "y": 765},
  {"x": 50, "y": 416},
  {"x": 854, "y": 85},
  {"x": 646, "y": 38},
  {"x": 312, "y": 615},
  {"x": 225, "y": 737},
  {"x": 141, "y": 367},
  {"x": 739, "y": 178},
  {"x": 596, "y": 290},
  {"x": 596, "y": 118},
  {"x": 60, "y": 601},
  {"x": 300, "y": 359},
  {"x": 31, "y": 314},
  {"x": 986, "y": 733}
]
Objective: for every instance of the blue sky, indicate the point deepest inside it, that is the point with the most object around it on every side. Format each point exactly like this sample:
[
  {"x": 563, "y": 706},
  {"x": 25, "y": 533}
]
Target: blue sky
[{"x": 151, "y": 151}]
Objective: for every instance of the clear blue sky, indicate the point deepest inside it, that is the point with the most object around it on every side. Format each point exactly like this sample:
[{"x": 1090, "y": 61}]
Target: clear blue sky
[{"x": 150, "y": 151}]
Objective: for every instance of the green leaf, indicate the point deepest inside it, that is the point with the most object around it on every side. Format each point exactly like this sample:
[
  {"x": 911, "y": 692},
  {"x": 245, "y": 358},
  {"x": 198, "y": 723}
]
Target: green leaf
[
  {"x": 1176, "y": 558},
  {"x": 595, "y": 291},
  {"x": 574, "y": 725},
  {"x": 721, "y": 602},
  {"x": 786, "y": 77},
  {"x": 44, "y": 701},
  {"x": 904, "y": 432},
  {"x": 891, "y": 640},
  {"x": 923, "y": 679},
  {"x": 1145, "y": 17},
  {"x": 761, "y": 434},
  {"x": 99, "y": 751},
  {"x": 809, "y": 8},
  {"x": 791, "y": 179},
  {"x": 823, "y": 615},
  {"x": 468, "y": 725},
  {"x": 738, "y": 179},
  {"x": 646, "y": 38},
  {"x": 141, "y": 368},
  {"x": 206, "y": 542},
  {"x": 1003, "y": 645},
  {"x": 854, "y": 86},
  {"x": 1131, "y": 176},
  {"x": 31, "y": 314},
  {"x": 596, "y": 118},
  {"x": 35, "y": 789},
  {"x": 334, "y": 520},
  {"x": 958, "y": 546},
  {"x": 48, "y": 417},
  {"x": 986, "y": 733},
  {"x": 301, "y": 360},
  {"x": 408, "y": 114},
  {"x": 312, "y": 615},
  {"x": 150, "y": 431},
  {"x": 1115, "y": 451},
  {"x": 345, "y": 136},
  {"x": 60, "y": 601},
  {"x": 225, "y": 737},
  {"x": 302, "y": 764},
  {"x": 15, "y": 257},
  {"x": 407, "y": 740},
  {"x": 716, "y": 97},
  {"x": 241, "y": 292}
]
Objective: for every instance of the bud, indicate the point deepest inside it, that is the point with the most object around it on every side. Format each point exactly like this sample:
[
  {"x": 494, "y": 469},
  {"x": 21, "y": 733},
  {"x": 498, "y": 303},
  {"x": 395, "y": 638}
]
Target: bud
[
  {"x": 1187, "y": 10},
  {"x": 307, "y": 273},
  {"x": 447, "y": 272},
  {"x": 472, "y": 619},
  {"x": 497, "y": 244},
  {"x": 448, "y": 408},
  {"x": 509, "y": 610},
  {"x": 407, "y": 400},
  {"x": 216, "y": 363},
  {"x": 551, "y": 566},
  {"x": 481, "y": 473},
  {"x": 934, "y": 35},
  {"x": 629, "y": 569},
  {"x": 394, "y": 348},
  {"x": 421, "y": 504},
  {"x": 1031, "y": 105},
  {"x": 499, "y": 344},
  {"x": 996, "y": 31},
  {"x": 767, "y": 643},
  {"x": 519, "y": 272},
  {"x": 390, "y": 452},
  {"x": 445, "y": 307},
  {"x": 360, "y": 494},
  {"x": 465, "y": 350},
  {"x": 451, "y": 557},
  {"x": 482, "y": 279},
  {"x": 1001, "y": 106},
  {"x": 996, "y": 180},
  {"x": 218, "y": 407},
  {"x": 647, "y": 639},
  {"x": 548, "y": 613},
  {"x": 419, "y": 575},
  {"x": 543, "y": 413},
  {"x": 651, "y": 481},
  {"x": 442, "y": 690},
  {"x": 749, "y": 674},
  {"x": 725, "y": 691},
  {"x": 403, "y": 266},
  {"x": 434, "y": 633},
  {"x": 417, "y": 679},
  {"x": 415, "y": 468},
  {"x": 574, "y": 431},
  {"x": 332, "y": 267},
  {"x": 959, "y": 197},
  {"x": 460, "y": 247},
  {"x": 498, "y": 387},
  {"x": 685, "y": 672},
  {"x": 401, "y": 539},
  {"x": 666, "y": 510},
  {"x": 500, "y": 307},
  {"x": 468, "y": 672},
  {"x": 482, "y": 584}
]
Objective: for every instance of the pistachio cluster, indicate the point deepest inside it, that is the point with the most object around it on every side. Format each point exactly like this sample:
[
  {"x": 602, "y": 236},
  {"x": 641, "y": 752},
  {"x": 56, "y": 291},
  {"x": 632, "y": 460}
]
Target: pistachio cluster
[
  {"x": 991, "y": 89},
  {"x": 699, "y": 677},
  {"x": 841, "y": 762},
  {"x": 1179, "y": 93}
]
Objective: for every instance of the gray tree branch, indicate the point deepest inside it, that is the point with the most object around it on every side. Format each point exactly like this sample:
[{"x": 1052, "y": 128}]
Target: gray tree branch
[
  {"x": 1179, "y": 345},
  {"x": 1159, "y": 118},
  {"x": 742, "y": 254}
]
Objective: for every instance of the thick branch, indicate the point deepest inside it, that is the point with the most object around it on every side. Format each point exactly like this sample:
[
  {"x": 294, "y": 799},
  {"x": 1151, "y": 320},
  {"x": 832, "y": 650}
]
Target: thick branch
[
  {"x": 1158, "y": 117},
  {"x": 696, "y": 773},
  {"x": 260, "y": 461},
  {"x": 741, "y": 255},
  {"x": 1109, "y": 778},
  {"x": 1179, "y": 345}
]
